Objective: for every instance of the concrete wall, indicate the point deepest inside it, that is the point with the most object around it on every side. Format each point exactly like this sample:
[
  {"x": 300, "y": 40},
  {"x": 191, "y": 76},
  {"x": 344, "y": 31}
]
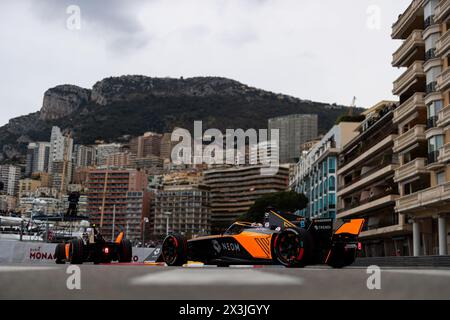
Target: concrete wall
[{"x": 42, "y": 253}]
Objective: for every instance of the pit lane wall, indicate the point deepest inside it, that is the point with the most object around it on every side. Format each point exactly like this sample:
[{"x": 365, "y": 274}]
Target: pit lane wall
[{"x": 42, "y": 253}]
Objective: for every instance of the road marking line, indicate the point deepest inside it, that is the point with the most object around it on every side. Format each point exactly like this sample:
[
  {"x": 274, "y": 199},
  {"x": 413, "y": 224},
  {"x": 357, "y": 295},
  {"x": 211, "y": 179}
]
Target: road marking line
[
  {"x": 197, "y": 277},
  {"x": 441, "y": 273},
  {"x": 25, "y": 268}
]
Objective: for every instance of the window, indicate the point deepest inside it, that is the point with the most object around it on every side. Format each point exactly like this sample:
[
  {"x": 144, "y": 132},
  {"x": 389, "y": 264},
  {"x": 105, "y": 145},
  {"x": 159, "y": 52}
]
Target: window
[
  {"x": 332, "y": 200},
  {"x": 434, "y": 144},
  {"x": 331, "y": 183},
  {"x": 432, "y": 112},
  {"x": 332, "y": 165},
  {"x": 440, "y": 177},
  {"x": 429, "y": 8}
]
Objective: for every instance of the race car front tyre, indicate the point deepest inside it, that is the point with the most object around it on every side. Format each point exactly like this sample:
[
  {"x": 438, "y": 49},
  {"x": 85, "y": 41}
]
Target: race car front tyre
[
  {"x": 174, "y": 250},
  {"x": 76, "y": 251},
  {"x": 292, "y": 248},
  {"x": 60, "y": 253},
  {"x": 125, "y": 251}
]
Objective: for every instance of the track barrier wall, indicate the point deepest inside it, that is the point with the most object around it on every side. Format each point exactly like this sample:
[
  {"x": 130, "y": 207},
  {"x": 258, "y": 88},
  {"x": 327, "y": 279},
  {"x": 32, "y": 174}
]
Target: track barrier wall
[{"x": 42, "y": 253}]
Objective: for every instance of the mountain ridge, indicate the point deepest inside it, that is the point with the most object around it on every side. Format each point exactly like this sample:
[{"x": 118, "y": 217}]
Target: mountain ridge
[{"x": 133, "y": 104}]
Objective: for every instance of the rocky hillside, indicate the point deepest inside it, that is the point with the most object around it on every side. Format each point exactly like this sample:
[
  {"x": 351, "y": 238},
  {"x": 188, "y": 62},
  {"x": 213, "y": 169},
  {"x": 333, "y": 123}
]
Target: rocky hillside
[{"x": 131, "y": 105}]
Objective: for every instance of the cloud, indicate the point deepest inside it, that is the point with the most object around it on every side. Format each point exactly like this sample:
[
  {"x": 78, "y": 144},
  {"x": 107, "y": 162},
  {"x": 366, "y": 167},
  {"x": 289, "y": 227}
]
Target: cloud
[{"x": 115, "y": 21}]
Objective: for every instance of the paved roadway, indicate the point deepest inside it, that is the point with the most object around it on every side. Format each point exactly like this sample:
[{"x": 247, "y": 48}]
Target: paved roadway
[{"x": 158, "y": 282}]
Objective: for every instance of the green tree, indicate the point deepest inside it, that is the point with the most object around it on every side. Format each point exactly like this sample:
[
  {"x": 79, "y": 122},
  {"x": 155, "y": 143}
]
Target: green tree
[{"x": 287, "y": 201}]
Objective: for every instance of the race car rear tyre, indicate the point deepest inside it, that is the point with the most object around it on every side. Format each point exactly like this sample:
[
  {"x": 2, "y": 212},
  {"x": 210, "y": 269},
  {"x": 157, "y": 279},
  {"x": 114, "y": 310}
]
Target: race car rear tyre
[
  {"x": 60, "y": 253},
  {"x": 293, "y": 248},
  {"x": 76, "y": 251},
  {"x": 125, "y": 251},
  {"x": 174, "y": 250}
]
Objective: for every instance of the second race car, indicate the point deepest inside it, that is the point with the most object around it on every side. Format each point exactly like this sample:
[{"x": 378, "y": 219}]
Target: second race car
[{"x": 284, "y": 239}]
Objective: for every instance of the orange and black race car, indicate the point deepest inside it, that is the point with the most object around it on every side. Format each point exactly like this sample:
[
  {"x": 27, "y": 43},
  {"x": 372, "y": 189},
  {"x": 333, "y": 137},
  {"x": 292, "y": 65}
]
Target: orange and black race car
[
  {"x": 92, "y": 247},
  {"x": 283, "y": 239}
]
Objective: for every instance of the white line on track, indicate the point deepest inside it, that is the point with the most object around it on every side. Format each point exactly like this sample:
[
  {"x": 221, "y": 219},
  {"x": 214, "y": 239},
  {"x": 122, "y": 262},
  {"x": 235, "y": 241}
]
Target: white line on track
[
  {"x": 25, "y": 268},
  {"x": 440, "y": 273},
  {"x": 227, "y": 277}
]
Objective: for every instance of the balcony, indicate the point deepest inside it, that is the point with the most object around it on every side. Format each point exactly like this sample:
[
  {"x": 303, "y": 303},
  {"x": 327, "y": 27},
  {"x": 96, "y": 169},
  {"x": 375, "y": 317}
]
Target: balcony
[
  {"x": 411, "y": 169},
  {"x": 407, "y": 20},
  {"x": 443, "y": 81},
  {"x": 443, "y": 44},
  {"x": 409, "y": 78},
  {"x": 373, "y": 175},
  {"x": 410, "y": 106},
  {"x": 442, "y": 10},
  {"x": 444, "y": 117},
  {"x": 405, "y": 54},
  {"x": 371, "y": 204},
  {"x": 437, "y": 198},
  {"x": 366, "y": 153},
  {"x": 444, "y": 154},
  {"x": 410, "y": 137}
]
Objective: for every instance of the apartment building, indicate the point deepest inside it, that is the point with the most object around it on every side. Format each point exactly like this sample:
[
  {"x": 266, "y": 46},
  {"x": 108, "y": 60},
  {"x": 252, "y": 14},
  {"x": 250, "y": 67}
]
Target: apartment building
[
  {"x": 10, "y": 176},
  {"x": 27, "y": 187},
  {"x": 104, "y": 150},
  {"x": 294, "y": 130},
  {"x": 235, "y": 189},
  {"x": 61, "y": 148},
  {"x": 423, "y": 118},
  {"x": 108, "y": 192},
  {"x": 83, "y": 156},
  {"x": 367, "y": 187},
  {"x": 181, "y": 208},
  {"x": 118, "y": 160},
  {"x": 166, "y": 146},
  {"x": 38, "y": 154},
  {"x": 148, "y": 144},
  {"x": 315, "y": 175},
  {"x": 138, "y": 208}
]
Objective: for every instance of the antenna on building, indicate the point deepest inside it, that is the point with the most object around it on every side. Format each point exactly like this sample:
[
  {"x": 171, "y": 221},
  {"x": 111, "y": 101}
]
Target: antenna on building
[{"x": 352, "y": 106}]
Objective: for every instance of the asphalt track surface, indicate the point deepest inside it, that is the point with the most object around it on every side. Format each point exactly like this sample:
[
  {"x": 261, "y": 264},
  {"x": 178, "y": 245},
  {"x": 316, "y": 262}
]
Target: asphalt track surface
[{"x": 212, "y": 283}]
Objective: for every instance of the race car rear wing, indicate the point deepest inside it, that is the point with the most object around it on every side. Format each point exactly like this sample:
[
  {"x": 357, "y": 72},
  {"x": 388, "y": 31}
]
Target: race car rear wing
[{"x": 323, "y": 228}]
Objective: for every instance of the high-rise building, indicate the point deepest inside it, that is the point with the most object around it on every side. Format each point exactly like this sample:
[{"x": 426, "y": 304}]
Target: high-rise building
[
  {"x": 294, "y": 130},
  {"x": 118, "y": 160},
  {"x": 108, "y": 192},
  {"x": 28, "y": 187},
  {"x": 83, "y": 156},
  {"x": 10, "y": 176},
  {"x": 38, "y": 155},
  {"x": 423, "y": 117},
  {"x": 61, "y": 175},
  {"x": 61, "y": 148},
  {"x": 105, "y": 150},
  {"x": 367, "y": 187},
  {"x": 166, "y": 146},
  {"x": 146, "y": 145},
  {"x": 315, "y": 175},
  {"x": 234, "y": 190},
  {"x": 181, "y": 208}
]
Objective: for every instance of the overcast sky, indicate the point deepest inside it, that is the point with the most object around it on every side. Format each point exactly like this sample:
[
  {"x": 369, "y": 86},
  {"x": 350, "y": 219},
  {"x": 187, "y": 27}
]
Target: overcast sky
[{"x": 322, "y": 50}]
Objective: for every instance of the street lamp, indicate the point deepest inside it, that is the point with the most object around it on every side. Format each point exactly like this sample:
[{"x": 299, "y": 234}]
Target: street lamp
[
  {"x": 168, "y": 214},
  {"x": 144, "y": 221}
]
